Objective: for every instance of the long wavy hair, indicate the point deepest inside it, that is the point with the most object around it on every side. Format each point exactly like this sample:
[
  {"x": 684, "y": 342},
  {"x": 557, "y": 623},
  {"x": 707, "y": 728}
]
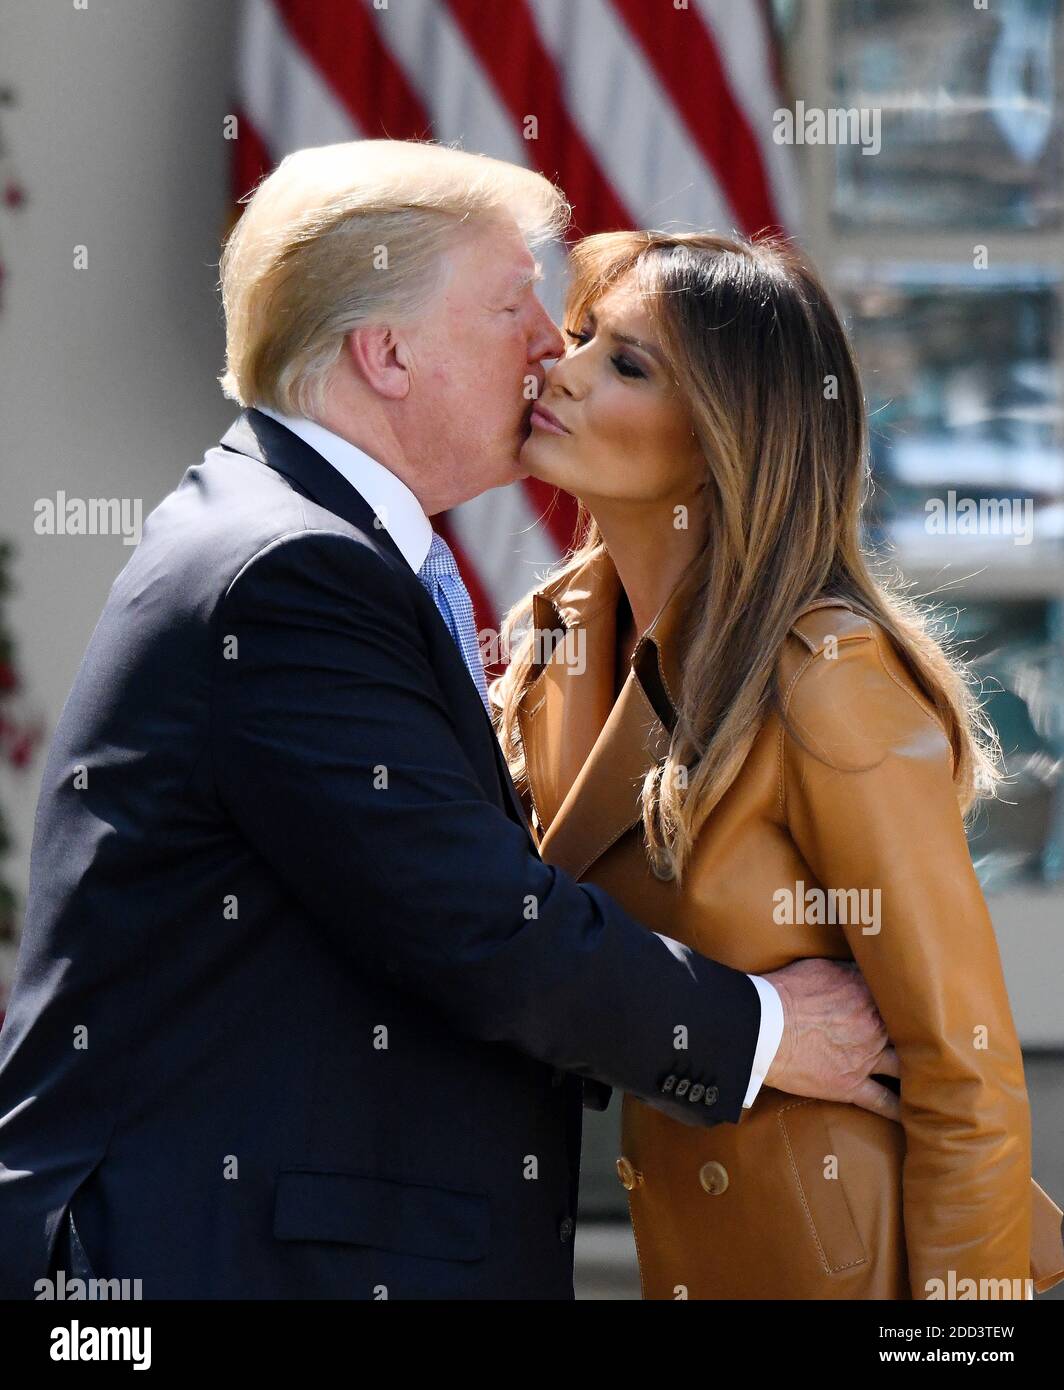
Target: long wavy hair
[{"x": 763, "y": 363}]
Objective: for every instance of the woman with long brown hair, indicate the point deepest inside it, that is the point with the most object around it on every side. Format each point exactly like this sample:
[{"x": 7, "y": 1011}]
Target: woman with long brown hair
[{"x": 716, "y": 711}]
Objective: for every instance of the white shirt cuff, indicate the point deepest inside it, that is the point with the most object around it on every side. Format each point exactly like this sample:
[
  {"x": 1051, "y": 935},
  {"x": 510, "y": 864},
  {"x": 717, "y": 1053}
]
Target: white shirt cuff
[{"x": 769, "y": 1036}]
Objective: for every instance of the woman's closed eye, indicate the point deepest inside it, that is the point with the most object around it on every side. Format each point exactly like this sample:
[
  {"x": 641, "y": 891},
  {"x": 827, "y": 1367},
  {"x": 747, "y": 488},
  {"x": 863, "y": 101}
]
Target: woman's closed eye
[{"x": 624, "y": 365}]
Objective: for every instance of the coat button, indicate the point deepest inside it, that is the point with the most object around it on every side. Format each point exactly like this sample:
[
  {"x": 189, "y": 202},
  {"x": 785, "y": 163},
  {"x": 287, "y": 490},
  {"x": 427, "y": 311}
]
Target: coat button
[
  {"x": 682, "y": 1087},
  {"x": 714, "y": 1177},
  {"x": 694, "y": 1095},
  {"x": 712, "y": 1096},
  {"x": 668, "y": 1084},
  {"x": 565, "y": 1230},
  {"x": 630, "y": 1177}
]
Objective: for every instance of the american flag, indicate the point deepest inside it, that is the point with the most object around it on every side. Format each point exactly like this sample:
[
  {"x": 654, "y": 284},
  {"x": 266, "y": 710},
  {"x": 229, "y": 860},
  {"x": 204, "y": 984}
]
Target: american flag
[{"x": 647, "y": 113}]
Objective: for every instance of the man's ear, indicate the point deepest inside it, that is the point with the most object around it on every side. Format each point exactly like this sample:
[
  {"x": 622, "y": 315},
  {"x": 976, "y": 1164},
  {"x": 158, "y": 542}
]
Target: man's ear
[{"x": 380, "y": 357}]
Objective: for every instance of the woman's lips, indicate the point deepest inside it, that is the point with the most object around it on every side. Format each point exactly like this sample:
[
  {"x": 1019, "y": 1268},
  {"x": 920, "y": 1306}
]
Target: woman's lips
[{"x": 543, "y": 419}]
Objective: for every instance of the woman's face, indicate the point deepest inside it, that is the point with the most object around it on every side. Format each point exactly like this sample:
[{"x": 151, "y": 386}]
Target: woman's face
[{"x": 625, "y": 433}]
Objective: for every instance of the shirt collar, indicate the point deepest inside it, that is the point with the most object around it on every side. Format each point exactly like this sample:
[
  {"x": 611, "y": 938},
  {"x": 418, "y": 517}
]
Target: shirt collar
[{"x": 400, "y": 513}]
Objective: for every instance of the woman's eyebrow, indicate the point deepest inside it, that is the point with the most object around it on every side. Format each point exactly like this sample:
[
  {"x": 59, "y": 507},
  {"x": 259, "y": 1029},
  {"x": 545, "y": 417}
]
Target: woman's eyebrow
[{"x": 648, "y": 348}]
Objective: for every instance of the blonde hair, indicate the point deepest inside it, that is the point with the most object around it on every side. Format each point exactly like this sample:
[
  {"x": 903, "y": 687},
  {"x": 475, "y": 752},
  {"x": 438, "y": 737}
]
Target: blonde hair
[
  {"x": 343, "y": 235},
  {"x": 752, "y": 340}
]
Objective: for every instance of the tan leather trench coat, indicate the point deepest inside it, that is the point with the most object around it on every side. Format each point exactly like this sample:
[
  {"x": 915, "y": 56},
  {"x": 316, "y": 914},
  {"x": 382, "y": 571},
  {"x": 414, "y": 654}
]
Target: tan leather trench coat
[{"x": 803, "y": 1198}]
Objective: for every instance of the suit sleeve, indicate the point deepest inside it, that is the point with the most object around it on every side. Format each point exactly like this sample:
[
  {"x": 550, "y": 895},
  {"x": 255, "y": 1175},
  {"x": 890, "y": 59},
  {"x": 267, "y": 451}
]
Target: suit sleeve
[
  {"x": 871, "y": 805},
  {"x": 336, "y": 757}
]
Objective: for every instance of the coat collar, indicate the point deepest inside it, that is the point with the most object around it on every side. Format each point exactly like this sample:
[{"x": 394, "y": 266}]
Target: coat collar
[{"x": 587, "y": 753}]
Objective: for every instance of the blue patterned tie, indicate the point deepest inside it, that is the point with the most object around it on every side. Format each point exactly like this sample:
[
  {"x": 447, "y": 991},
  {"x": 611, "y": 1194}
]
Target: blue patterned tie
[{"x": 440, "y": 576}]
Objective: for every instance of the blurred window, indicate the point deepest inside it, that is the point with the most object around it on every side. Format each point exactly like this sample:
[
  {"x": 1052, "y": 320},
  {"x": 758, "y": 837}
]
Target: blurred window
[{"x": 971, "y": 112}]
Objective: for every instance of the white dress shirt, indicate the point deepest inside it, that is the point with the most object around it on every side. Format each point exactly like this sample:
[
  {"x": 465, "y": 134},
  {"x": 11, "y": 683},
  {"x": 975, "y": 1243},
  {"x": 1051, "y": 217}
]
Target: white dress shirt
[
  {"x": 403, "y": 517},
  {"x": 399, "y": 511}
]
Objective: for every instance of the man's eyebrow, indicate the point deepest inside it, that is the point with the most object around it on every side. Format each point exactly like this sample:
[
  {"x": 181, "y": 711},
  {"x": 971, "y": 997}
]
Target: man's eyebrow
[{"x": 528, "y": 277}]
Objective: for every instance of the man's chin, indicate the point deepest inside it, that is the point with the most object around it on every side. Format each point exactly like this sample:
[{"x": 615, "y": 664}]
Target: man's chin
[
  {"x": 524, "y": 460},
  {"x": 511, "y": 470}
]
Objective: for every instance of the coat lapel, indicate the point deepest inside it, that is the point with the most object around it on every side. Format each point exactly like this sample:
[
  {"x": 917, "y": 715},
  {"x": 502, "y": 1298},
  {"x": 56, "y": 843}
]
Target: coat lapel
[
  {"x": 587, "y": 754},
  {"x": 571, "y": 692}
]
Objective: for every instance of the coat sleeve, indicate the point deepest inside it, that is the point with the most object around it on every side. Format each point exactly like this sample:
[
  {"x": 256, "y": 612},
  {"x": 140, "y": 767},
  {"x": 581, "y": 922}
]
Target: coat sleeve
[
  {"x": 336, "y": 757},
  {"x": 870, "y": 803}
]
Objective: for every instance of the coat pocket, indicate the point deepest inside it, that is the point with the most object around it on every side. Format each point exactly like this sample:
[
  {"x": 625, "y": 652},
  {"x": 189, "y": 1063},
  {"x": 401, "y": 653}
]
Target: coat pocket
[
  {"x": 809, "y": 1148},
  {"x": 383, "y": 1213}
]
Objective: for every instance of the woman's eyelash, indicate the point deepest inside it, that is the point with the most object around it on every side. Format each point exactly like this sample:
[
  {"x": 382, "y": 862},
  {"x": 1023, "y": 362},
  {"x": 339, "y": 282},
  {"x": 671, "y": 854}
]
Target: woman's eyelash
[{"x": 625, "y": 367}]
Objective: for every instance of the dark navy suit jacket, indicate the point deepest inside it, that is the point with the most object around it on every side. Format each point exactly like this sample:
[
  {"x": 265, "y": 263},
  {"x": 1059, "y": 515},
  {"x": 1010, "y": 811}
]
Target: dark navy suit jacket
[{"x": 299, "y": 1012}]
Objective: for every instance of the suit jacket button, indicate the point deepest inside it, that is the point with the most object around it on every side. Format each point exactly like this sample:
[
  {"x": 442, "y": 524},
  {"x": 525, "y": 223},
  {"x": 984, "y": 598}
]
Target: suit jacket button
[
  {"x": 565, "y": 1230},
  {"x": 714, "y": 1177},
  {"x": 694, "y": 1095},
  {"x": 630, "y": 1176},
  {"x": 712, "y": 1096},
  {"x": 682, "y": 1087},
  {"x": 668, "y": 1084}
]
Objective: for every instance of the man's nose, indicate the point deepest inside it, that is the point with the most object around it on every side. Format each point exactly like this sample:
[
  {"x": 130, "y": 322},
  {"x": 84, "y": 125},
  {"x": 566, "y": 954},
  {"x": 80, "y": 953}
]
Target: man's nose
[{"x": 546, "y": 339}]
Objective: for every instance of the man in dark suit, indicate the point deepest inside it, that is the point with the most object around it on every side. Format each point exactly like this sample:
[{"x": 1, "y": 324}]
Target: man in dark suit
[{"x": 299, "y": 1012}]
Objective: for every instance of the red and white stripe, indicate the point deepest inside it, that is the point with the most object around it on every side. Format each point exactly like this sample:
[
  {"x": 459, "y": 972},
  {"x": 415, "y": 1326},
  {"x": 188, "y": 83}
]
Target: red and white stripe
[{"x": 648, "y": 116}]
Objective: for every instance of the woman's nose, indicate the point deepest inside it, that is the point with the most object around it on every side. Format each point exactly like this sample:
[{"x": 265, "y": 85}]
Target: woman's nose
[{"x": 564, "y": 376}]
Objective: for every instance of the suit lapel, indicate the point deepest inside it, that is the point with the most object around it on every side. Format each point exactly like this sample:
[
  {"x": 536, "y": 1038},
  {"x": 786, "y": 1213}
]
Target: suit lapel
[{"x": 261, "y": 437}]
